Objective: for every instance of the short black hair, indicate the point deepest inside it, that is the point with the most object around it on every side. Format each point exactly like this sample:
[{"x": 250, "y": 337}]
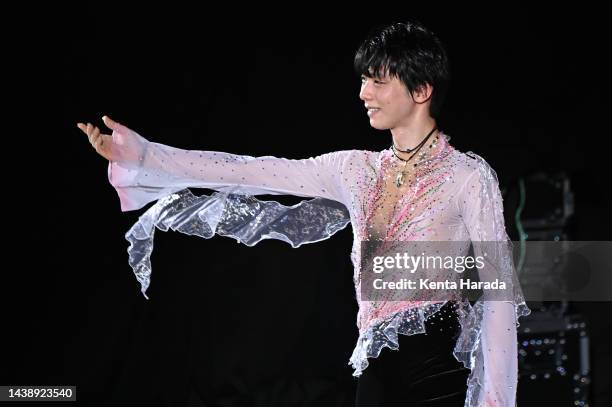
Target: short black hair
[{"x": 410, "y": 52}]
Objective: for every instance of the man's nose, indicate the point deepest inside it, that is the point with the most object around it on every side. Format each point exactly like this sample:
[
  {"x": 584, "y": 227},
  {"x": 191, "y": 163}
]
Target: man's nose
[{"x": 365, "y": 93}]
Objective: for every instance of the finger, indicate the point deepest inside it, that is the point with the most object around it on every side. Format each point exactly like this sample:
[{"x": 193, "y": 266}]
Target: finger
[
  {"x": 83, "y": 128},
  {"x": 102, "y": 147},
  {"x": 95, "y": 134},
  {"x": 111, "y": 124},
  {"x": 91, "y": 134},
  {"x": 98, "y": 143}
]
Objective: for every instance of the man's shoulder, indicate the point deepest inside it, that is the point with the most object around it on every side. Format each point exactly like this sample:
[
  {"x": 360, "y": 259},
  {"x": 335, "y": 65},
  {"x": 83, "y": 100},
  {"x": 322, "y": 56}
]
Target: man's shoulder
[{"x": 469, "y": 164}]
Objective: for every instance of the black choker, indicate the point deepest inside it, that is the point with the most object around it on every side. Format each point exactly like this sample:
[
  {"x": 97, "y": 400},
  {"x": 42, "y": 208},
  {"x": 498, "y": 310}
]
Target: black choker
[{"x": 400, "y": 177}]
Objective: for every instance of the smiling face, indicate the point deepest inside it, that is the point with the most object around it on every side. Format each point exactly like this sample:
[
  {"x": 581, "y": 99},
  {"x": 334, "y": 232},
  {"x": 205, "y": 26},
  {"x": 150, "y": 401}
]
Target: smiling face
[{"x": 388, "y": 101}]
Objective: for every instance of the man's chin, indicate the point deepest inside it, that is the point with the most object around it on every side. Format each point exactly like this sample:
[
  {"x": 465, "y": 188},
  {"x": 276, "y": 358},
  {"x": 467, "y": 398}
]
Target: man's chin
[{"x": 378, "y": 126}]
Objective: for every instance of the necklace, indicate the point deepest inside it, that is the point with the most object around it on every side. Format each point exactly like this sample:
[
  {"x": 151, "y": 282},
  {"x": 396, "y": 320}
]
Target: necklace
[{"x": 400, "y": 177}]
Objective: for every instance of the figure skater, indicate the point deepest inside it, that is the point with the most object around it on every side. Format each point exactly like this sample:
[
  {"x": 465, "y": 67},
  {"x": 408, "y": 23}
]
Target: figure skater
[{"x": 442, "y": 352}]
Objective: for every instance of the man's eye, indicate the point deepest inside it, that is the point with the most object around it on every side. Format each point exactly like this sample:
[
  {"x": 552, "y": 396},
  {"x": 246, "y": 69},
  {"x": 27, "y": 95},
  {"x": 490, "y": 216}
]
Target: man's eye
[{"x": 376, "y": 81}]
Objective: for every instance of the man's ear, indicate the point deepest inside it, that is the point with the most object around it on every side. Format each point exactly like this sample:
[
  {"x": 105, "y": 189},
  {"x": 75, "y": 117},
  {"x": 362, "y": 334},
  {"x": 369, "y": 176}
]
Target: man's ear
[{"x": 423, "y": 93}]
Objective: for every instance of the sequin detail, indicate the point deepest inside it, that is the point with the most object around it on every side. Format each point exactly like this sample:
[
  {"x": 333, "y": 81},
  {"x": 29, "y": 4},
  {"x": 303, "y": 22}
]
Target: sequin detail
[{"x": 446, "y": 196}]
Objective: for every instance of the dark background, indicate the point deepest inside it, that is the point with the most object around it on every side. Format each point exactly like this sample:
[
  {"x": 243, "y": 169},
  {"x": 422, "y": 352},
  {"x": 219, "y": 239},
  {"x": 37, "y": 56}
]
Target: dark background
[{"x": 229, "y": 325}]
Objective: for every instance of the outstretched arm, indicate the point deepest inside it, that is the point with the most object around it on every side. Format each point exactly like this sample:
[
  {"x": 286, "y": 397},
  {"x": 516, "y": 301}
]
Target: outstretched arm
[{"x": 142, "y": 171}]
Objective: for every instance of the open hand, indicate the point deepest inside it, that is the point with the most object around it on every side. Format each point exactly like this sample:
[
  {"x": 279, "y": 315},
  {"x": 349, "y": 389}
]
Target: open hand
[{"x": 102, "y": 143}]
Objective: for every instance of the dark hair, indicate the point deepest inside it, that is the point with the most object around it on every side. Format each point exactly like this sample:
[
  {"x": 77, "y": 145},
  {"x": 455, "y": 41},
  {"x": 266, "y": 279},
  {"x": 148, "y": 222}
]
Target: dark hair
[{"x": 410, "y": 52}]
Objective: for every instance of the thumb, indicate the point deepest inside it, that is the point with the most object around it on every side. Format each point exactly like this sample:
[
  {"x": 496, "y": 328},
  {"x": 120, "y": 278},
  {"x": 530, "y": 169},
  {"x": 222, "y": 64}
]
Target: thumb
[{"x": 110, "y": 123}]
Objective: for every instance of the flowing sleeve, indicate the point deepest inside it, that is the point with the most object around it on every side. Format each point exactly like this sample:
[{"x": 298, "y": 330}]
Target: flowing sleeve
[
  {"x": 494, "y": 374},
  {"x": 142, "y": 171},
  {"x": 241, "y": 217}
]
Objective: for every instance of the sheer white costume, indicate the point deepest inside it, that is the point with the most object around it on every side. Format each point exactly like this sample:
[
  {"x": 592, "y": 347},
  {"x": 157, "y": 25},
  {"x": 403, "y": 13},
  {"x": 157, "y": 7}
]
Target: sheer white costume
[{"x": 448, "y": 196}]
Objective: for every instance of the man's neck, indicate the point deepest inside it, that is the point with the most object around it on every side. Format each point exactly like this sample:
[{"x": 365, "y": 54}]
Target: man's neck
[{"x": 409, "y": 136}]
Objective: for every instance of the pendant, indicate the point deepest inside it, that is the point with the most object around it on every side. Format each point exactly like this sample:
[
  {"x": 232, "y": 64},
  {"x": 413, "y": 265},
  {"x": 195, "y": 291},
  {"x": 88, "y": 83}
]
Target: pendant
[{"x": 399, "y": 179}]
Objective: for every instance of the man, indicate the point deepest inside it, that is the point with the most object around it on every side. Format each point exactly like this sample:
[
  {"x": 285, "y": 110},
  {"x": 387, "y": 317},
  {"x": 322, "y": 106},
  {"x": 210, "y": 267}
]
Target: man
[{"x": 420, "y": 189}]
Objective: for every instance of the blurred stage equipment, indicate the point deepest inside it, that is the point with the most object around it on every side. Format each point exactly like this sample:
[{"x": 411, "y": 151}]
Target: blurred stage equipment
[{"x": 554, "y": 368}]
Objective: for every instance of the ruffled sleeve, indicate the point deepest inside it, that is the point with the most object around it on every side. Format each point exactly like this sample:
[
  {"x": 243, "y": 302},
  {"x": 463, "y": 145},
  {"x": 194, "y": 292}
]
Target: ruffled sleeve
[
  {"x": 142, "y": 171},
  {"x": 494, "y": 361},
  {"x": 241, "y": 217}
]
